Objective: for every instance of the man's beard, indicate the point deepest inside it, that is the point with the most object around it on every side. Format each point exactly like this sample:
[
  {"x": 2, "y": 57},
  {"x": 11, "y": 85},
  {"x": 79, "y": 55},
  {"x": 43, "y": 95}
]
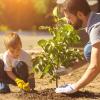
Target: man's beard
[{"x": 78, "y": 24}]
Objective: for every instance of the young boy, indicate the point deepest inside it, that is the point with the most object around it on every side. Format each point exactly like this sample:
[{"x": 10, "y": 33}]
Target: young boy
[{"x": 15, "y": 64}]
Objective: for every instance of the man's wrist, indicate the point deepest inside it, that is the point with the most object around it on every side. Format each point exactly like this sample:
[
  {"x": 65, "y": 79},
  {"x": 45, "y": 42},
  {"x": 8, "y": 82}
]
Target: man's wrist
[{"x": 75, "y": 86}]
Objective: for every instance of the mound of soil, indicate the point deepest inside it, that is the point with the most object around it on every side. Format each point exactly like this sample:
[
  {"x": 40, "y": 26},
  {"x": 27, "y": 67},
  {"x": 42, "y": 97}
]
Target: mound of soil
[{"x": 49, "y": 94}]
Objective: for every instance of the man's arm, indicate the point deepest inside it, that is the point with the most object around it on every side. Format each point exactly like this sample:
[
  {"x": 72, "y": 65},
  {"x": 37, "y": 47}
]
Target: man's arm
[{"x": 93, "y": 69}]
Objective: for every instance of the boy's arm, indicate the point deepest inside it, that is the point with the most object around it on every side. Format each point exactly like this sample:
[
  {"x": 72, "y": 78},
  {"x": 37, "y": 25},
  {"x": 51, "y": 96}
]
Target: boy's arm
[
  {"x": 20, "y": 83},
  {"x": 11, "y": 75}
]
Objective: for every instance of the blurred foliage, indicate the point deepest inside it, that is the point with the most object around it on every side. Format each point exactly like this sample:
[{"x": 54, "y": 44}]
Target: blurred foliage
[
  {"x": 41, "y": 6},
  {"x": 4, "y": 28},
  {"x": 1, "y": 7},
  {"x": 23, "y": 14}
]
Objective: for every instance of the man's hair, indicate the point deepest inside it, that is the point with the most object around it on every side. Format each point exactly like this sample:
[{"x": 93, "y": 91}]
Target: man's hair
[
  {"x": 73, "y": 6},
  {"x": 12, "y": 39}
]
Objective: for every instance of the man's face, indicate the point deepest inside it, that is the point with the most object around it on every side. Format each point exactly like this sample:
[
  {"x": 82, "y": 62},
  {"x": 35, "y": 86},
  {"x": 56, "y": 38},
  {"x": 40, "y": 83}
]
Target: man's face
[{"x": 74, "y": 20}]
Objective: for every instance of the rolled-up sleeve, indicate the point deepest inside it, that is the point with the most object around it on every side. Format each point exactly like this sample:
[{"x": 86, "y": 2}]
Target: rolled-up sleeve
[
  {"x": 95, "y": 35},
  {"x": 7, "y": 63}
]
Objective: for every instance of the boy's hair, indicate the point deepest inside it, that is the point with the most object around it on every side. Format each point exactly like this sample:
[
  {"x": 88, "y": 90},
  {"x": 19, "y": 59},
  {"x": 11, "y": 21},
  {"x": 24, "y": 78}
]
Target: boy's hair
[
  {"x": 73, "y": 6},
  {"x": 12, "y": 39}
]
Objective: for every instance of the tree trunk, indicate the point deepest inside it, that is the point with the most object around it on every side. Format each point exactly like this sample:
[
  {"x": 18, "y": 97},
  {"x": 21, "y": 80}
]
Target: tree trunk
[{"x": 56, "y": 82}]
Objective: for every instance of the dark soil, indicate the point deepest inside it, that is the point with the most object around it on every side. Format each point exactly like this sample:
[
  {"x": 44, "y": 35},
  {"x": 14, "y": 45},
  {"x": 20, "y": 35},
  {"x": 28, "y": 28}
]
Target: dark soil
[
  {"x": 49, "y": 94},
  {"x": 89, "y": 92}
]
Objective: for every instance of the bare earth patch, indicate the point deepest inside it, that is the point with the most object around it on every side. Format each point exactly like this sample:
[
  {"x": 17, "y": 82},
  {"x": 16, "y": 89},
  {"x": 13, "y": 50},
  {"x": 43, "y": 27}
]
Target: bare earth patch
[{"x": 44, "y": 91}]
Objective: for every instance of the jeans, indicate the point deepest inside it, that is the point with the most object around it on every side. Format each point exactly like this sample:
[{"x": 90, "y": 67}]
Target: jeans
[{"x": 87, "y": 51}]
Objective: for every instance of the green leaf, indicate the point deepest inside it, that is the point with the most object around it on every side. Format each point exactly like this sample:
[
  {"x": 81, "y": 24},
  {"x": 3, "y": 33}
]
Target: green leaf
[
  {"x": 47, "y": 68},
  {"x": 42, "y": 43},
  {"x": 55, "y": 11}
]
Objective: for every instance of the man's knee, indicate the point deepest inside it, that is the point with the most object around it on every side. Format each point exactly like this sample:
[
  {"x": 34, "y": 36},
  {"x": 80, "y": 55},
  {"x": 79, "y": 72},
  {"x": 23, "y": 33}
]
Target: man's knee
[{"x": 87, "y": 51}]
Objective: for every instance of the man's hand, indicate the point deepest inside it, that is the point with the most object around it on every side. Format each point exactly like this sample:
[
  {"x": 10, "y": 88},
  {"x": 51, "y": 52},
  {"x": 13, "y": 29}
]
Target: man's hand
[
  {"x": 22, "y": 85},
  {"x": 68, "y": 89}
]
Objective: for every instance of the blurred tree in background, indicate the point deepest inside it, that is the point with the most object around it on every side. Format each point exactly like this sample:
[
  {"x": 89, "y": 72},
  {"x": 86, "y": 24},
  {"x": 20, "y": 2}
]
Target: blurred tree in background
[{"x": 25, "y": 14}]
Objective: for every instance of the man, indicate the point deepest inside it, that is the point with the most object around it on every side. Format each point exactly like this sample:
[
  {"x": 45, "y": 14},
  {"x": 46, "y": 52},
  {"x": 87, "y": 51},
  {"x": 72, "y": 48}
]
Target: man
[{"x": 80, "y": 16}]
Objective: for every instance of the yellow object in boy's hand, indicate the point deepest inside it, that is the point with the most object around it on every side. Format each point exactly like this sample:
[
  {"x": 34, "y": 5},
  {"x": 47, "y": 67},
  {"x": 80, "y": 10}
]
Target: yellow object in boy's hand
[
  {"x": 22, "y": 85},
  {"x": 19, "y": 81},
  {"x": 26, "y": 87}
]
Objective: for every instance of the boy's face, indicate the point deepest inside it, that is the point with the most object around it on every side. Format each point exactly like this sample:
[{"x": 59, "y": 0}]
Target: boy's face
[{"x": 15, "y": 52}]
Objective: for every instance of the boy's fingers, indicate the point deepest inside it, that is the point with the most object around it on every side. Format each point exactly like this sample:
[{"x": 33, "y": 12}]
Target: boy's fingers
[{"x": 26, "y": 87}]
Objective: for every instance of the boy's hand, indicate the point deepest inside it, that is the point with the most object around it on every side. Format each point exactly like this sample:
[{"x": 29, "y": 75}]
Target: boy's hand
[
  {"x": 26, "y": 87},
  {"x": 22, "y": 85},
  {"x": 19, "y": 81}
]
